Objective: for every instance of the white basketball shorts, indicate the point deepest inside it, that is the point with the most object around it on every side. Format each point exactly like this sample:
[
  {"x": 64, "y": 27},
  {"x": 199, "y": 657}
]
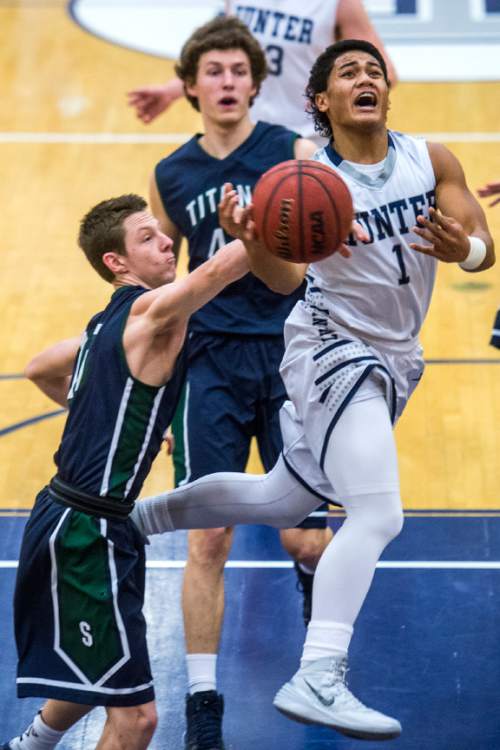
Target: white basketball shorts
[{"x": 325, "y": 370}]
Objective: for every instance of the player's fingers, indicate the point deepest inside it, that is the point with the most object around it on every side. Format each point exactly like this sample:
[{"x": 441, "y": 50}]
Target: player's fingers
[
  {"x": 424, "y": 224},
  {"x": 224, "y": 206},
  {"x": 494, "y": 203},
  {"x": 250, "y": 231},
  {"x": 344, "y": 251},
  {"x": 246, "y": 215},
  {"x": 360, "y": 233},
  {"x": 424, "y": 249},
  {"x": 440, "y": 220},
  {"x": 237, "y": 214},
  {"x": 427, "y": 233},
  {"x": 447, "y": 224},
  {"x": 428, "y": 223}
]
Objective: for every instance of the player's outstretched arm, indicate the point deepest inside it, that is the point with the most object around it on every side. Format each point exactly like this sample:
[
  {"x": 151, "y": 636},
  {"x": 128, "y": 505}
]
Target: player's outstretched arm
[
  {"x": 151, "y": 101},
  {"x": 51, "y": 369},
  {"x": 279, "y": 275},
  {"x": 352, "y": 22},
  {"x": 457, "y": 231},
  {"x": 491, "y": 188},
  {"x": 171, "y": 305}
]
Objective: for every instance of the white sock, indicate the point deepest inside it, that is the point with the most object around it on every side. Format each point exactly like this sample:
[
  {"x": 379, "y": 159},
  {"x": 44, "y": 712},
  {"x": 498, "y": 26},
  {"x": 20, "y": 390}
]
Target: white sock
[
  {"x": 201, "y": 670},
  {"x": 38, "y": 736},
  {"x": 325, "y": 639}
]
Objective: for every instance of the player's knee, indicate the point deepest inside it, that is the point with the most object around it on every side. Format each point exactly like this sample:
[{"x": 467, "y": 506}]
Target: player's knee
[
  {"x": 209, "y": 547},
  {"x": 147, "y": 721},
  {"x": 133, "y": 727},
  {"x": 306, "y": 545},
  {"x": 388, "y": 522}
]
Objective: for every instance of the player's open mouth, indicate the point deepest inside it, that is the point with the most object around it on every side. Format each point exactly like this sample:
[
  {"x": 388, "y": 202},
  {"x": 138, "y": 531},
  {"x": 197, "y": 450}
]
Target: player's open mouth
[
  {"x": 366, "y": 100},
  {"x": 228, "y": 101}
]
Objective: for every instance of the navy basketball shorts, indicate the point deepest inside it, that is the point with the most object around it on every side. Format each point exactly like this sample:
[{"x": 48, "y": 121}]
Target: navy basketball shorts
[
  {"x": 80, "y": 631},
  {"x": 233, "y": 392}
]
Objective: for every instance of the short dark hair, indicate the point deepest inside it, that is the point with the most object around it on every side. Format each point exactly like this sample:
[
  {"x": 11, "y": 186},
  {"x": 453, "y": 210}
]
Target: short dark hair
[
  {"x": 102, "y": 231},
  {"x": 320, "y": 73},
  {"x": 222, "y": 33}
]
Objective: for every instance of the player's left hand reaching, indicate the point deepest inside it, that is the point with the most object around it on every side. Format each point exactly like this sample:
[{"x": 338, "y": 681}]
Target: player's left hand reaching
[{"x": 447, "y": 238}]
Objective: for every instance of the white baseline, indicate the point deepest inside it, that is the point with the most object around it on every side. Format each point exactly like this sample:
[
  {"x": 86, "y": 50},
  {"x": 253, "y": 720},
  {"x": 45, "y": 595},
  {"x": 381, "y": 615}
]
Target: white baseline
[{"x": 283, "y": 564}]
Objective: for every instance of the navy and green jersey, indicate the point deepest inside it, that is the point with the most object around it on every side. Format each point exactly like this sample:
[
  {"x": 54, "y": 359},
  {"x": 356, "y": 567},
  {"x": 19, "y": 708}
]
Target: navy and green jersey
[
  {"x": 190, "y": 184},
  {"x": 115, "y": 423}
]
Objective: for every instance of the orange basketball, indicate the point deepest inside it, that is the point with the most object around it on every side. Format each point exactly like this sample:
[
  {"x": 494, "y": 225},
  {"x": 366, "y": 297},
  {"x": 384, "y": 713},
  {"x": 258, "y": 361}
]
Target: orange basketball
[{"x": 302, "y": 210}]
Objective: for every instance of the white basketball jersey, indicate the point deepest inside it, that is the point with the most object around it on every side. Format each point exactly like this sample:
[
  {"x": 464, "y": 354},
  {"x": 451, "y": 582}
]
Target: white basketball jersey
[
  {"x": 382, "y": 292},
  {"x": 293, "y": 34}
]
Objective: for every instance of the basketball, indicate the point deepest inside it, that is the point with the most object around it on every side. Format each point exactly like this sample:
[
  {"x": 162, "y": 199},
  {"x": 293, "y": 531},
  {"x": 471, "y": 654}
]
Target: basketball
[{"x": 302, "y": 210}]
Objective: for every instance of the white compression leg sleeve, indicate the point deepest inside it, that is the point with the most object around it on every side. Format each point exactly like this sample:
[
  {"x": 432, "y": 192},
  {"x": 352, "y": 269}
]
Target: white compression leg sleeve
[
  {"x": 226, "y": 499},
  {"x": 362, "y": 466}
]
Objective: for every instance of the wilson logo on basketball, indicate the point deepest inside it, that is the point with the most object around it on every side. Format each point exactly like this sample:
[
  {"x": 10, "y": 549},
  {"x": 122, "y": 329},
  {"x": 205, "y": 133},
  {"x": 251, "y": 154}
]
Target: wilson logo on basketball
[{"x": 282, "y": 233}]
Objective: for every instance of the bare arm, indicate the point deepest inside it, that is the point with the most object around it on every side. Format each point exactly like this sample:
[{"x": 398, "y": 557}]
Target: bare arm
[
  {"x": 171, "y": 305},
  {"x": 459, "y": 215},
  {"x": 352, "y": 22},
  {"x": 304, "y": 149},
  {"x": 51, "y": 369},
  {"x": 491, "y": 188},
  {"x": 151, "y": 101},
  {"x": 167, "y": 226}
]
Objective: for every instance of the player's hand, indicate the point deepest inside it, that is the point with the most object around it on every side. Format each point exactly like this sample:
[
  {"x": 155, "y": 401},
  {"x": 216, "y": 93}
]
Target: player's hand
[
  {"x": 359, "y": 233},
  {"x": 233, "y": 218},
  {"x": 151, "y": 101},
  {"x": 447, "y": 238},
  {"x": 237, "y": 221},
  {"x": 491, "y": 188}
]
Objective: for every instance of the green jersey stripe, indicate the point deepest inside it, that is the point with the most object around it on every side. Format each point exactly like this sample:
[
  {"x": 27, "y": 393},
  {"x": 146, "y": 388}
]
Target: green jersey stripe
[
  {"x": 147, "y": 437},
  {"x": 133, "y": 436},
  {"x": 116, "y": 435}
]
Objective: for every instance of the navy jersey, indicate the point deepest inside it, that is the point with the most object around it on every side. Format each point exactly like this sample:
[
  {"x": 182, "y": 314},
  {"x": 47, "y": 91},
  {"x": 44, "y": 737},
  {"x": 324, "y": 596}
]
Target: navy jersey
[
  {"x": 115, "y": 423},
  {"x": 190, "y": 184}
]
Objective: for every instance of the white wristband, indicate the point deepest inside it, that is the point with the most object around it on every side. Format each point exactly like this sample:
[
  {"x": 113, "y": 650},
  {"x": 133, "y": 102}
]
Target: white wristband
[{"x": 477, "y": 253}]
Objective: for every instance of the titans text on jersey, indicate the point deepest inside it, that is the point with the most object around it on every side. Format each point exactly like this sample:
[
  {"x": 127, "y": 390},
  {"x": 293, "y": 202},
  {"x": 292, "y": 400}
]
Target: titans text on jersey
[{"x": 205, "y": 203}]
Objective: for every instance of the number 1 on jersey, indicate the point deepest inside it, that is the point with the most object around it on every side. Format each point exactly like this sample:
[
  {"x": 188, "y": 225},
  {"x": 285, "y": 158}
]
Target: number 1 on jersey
[{"x": 404, "y": 278}]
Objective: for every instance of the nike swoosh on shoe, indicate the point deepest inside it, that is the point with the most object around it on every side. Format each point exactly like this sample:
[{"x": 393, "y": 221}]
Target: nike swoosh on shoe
[{"x": 327, "y": 702}]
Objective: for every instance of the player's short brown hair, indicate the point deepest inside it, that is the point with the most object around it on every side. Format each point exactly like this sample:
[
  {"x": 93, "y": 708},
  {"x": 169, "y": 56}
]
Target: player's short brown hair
[
  {"x": 102, "y": 231},
  {"x": 222, "y": 33},
  {"x": 320, "y": 73}
]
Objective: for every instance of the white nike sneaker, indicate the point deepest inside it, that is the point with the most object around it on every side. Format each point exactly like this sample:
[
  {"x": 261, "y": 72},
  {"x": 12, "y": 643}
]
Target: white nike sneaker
[{"x": 318, "y": 694}]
